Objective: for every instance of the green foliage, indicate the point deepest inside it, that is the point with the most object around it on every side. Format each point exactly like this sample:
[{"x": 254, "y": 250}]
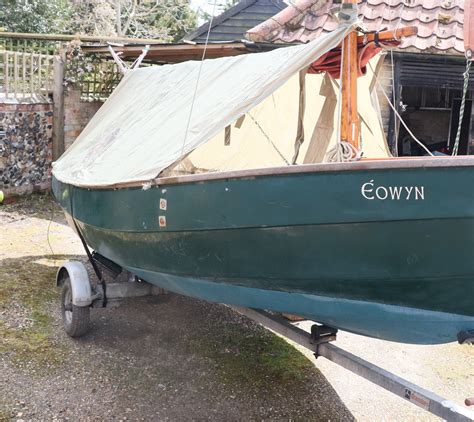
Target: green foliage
[
  {"x": 177, "y": 17},
  {"x": 221, "y": 7},
  {"x": 168, "y": 20},
  {"x": 42, "y": 16}
]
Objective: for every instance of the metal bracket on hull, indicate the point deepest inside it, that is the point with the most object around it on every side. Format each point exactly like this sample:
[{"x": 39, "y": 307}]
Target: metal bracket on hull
[
  {"x": 97, "y": 271},
  {"x": 415, "y": 394}
]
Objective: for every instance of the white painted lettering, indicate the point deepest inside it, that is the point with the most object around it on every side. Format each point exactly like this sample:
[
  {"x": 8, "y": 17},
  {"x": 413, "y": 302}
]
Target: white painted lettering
[
  {"x": 370, "y": 191},
  {"x": 419, "y": 192},
  {"x": 381, "y": 188},
  {"x": 395, "y": 192},
  {"x": 366, "y": 190}
]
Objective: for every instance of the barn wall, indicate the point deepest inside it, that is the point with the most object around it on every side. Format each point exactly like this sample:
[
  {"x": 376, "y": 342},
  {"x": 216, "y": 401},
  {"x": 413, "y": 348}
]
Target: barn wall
[{"x": 420, "y": 70}]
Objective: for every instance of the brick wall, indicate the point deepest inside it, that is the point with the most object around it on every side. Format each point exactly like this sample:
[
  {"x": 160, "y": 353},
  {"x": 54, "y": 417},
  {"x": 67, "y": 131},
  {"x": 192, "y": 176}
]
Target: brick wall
[
  {"x": 77, "y": 114},
  {"x": 26, "y": 144}
]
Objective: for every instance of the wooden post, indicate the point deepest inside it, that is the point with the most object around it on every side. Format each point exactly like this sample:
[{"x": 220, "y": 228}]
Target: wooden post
[
  {"x": 23, "y": 78},
  {"x": 5, "y": 75},
  {"x": 15, "y": 74},
  {"x": 58, "y": 104},
  {"x": 32, "y": 71},
  {"x": 349, "y": 114},
  {"x": 40, "y": 82}
]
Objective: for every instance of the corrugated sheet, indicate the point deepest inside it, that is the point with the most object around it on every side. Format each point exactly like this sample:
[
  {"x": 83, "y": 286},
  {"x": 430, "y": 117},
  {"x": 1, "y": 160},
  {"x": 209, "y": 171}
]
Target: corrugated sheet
[
  {"x": 439, "y": 22},
  {"x": 437, "y": 72},
  {"x": 233, "y": 23}
]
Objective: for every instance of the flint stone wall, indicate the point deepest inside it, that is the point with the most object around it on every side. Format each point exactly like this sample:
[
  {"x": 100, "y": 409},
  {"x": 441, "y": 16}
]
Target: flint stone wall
[{"x": 26, "y": 145}]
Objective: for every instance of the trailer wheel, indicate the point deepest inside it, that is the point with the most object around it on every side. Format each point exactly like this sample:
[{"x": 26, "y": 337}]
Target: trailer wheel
[{"x": 76, "y": 319}]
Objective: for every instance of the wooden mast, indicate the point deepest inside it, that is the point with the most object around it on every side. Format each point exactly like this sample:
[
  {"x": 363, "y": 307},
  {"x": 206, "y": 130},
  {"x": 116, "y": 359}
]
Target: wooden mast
[
  {"x": 469, "y": 29},
  {"x": 349, "y": 114}
]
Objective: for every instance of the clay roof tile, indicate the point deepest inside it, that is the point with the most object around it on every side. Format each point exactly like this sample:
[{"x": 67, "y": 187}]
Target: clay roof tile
[{"x": 439, "y": 22}]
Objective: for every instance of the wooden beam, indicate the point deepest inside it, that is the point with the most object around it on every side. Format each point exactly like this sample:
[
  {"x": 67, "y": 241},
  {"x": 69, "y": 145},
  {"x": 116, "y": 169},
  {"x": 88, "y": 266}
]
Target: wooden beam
[
  {"x": 87, "y": 38},
  {"x": 173, "y": 53},
  {"x": 58, "y": 105},
  {"x": 349, "y": 114},
  {"x": 406, "y": 31},
  {"x": 386, "y": 36}
]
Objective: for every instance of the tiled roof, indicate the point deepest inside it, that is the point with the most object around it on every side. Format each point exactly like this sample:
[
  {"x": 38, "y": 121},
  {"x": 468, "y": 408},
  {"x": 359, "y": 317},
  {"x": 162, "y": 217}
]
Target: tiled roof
[
  {"x": 235, "y": 21},
  {"x": 439, "y": 22}
]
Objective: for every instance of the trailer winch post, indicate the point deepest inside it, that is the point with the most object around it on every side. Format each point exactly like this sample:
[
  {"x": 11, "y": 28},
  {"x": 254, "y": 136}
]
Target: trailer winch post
[{"x": 419, "y": 396}]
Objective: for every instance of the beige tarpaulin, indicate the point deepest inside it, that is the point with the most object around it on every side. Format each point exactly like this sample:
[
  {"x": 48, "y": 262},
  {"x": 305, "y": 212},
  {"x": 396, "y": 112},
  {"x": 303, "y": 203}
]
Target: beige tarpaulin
[
  {"x": 141, "y": 129},
  {"x": 266, "y": 135}
]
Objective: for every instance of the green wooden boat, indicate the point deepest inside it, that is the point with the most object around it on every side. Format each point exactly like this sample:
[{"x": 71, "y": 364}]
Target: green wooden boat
[
  {"x": 381, "y": 248},
  {"x": 378, "y": 248}
]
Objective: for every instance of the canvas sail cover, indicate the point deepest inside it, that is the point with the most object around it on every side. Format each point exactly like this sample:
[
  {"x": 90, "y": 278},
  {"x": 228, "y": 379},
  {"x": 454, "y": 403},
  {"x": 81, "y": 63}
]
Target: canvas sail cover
[
  {"x": 143, "y": 127},
  {"x": 266, "y": 135}
]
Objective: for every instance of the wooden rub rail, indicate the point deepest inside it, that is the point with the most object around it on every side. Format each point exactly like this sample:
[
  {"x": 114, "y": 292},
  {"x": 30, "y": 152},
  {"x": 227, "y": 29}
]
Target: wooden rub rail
[{"x": 25, "y": 75}]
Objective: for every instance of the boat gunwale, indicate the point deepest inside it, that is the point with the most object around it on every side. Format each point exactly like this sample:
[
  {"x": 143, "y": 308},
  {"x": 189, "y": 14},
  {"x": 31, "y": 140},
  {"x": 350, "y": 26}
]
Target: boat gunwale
[{"x": 364, "y": 164}]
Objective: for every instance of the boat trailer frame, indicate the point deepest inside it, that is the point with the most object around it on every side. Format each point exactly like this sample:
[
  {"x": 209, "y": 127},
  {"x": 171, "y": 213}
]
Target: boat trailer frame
[
  {"x": 85, "y": 295},
  {"x": 319, "y": 343}
]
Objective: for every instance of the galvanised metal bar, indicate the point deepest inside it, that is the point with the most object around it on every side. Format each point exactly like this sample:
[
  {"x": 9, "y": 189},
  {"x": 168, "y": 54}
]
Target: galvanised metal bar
[{"x": 425, "y": 399}]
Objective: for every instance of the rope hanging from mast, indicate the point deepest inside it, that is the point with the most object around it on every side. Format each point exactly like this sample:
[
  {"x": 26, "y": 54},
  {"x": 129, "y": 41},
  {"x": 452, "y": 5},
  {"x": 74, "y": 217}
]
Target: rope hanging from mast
[
  {"x": 463, "y": 105},
  {"x": 397, "y": 114}
]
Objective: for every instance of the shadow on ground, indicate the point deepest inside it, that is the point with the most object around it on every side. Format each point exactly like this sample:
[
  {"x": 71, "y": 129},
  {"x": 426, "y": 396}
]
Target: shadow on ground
[{"x": 165, "y": 357}]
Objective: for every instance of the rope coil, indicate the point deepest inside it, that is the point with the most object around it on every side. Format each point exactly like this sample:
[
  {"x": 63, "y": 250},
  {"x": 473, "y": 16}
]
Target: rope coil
[{"x": 343, "y": 151}]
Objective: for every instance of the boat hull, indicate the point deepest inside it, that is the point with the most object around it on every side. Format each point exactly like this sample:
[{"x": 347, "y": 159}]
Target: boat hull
[{"x": 325, "y": 245}]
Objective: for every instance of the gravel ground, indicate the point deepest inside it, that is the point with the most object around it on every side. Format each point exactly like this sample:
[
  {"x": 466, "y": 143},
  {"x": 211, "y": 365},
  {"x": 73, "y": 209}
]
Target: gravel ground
[
  {"x": 447, "y": 370},
  {"x": 174, "y": 358},
  {"x": 165, "y": 357}
]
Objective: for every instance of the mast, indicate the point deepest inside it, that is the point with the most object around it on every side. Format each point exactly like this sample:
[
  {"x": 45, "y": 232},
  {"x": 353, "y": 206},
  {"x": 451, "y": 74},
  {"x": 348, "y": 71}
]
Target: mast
[
  {"x": 469, "y": 29},
  {"x": 349, "y": 113}
]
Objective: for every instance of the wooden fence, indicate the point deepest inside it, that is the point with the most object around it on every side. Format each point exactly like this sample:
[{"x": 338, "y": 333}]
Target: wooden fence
[
  {"x": 98, "y": 83},
  {"x": 25, "y": 75},
  {"x": 25, "y": 45}
]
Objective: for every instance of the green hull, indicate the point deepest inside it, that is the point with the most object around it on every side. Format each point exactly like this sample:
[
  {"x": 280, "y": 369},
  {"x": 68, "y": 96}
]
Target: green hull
[{"x": 399, "y": 238}]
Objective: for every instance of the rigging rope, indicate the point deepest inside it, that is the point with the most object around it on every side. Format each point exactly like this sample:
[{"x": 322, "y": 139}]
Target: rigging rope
[
  {"x": 396, "y": 128},
  {"x": 382, "y": 90},
  {"x": 197, "y": 82},
  {"x": 463, "y": 105},
  {"x": 269, "y": 139}
]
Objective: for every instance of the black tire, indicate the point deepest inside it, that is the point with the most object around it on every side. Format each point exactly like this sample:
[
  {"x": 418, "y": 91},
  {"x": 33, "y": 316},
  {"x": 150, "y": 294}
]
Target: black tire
[{"x": 76, "y": 319}]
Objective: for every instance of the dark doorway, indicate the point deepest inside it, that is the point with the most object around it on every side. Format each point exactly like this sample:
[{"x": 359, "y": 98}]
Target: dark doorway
[{"x": 432, "y": 114}]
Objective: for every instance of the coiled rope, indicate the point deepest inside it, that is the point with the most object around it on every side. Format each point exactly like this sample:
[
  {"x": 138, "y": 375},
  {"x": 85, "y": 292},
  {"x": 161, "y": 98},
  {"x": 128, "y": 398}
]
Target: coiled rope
[{"x": 343, "y": 151}]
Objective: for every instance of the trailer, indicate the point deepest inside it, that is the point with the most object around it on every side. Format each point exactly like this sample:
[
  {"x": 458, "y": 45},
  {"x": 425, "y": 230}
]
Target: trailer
[{"x": 79, "y": 295}]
